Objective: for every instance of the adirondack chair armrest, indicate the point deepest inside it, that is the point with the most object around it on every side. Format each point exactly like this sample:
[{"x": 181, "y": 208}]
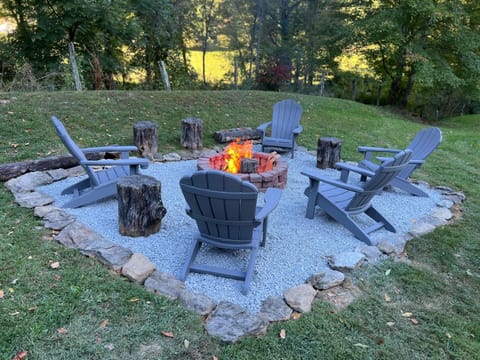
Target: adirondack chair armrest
[
  {"x": 298, "y": 130},
  {"x": 272, "y": 198},
  {"x": 110, "y": 148},
  {"x": 346, "y": 168},
  {"x": 363, "y": 149},
  {"x": 263, "y": 127},
  {"x": 315, "y": 175},
  {"x": 113, "y": 162}
]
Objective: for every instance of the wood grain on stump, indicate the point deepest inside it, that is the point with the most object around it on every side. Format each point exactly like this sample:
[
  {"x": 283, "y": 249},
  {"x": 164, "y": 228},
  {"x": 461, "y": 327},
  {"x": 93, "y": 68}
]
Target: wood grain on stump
[
  {"x": 329, "y": 151},
  {"x": 140, "y": 206},
  {"x": 145, "y": 138},
  {"x": 191, "y": 135}
]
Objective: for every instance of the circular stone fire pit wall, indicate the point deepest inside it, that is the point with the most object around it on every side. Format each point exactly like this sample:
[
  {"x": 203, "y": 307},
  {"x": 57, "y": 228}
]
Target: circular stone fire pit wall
[{"x": 277, "y": 177}]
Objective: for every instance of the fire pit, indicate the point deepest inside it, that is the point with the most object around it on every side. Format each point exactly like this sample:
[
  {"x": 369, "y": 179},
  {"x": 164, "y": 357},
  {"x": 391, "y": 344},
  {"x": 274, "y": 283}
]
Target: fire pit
[{"x": 263, "y": 170}]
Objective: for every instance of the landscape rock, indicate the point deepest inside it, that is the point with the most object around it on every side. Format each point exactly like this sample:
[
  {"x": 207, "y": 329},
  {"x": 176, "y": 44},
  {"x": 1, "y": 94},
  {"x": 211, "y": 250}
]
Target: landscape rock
[
  {"x": 57, "y": 174},
  {"x": 76, "y": 235},
  {"x": 346, "y": 261},
  {"x": 230, "y": 322},
  {"x": 386, "y": 247},
  {"x": 172, "y": 157},
  {"x": 28, "y": 182},
  {"x": 164, "y": 284},
  {"x": 138, "y": 268},
  {"x": 441, "y": 213},
  {"x": 199, "y": 303},
  {"x": 372, "y": 253},
  {"x": 421, "y": 229},
  {"x": 108, "y": 253},
  {"x": 32, "y": 199},
  {"x": 326, "y": 279},
  {"x": 54, "y": 217},
  {"x": 393, "y": 245},
  {"x": 274, "y": 308},
  {"x": 300, "y": 297},
  {"x": 340, "y": 296}
]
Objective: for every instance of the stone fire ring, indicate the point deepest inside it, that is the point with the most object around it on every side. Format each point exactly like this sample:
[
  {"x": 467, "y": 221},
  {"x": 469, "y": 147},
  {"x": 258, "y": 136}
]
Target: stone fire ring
[{"x": 277, "y": 177}]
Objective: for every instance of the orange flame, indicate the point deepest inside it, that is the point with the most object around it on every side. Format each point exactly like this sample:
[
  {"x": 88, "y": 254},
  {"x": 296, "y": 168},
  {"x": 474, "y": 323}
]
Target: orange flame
[{"x": 234, "y": 153}]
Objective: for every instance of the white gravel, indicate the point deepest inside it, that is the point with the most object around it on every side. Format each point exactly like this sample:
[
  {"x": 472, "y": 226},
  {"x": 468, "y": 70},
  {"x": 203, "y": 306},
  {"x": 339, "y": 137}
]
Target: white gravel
[{"x": 296, "y": 246}]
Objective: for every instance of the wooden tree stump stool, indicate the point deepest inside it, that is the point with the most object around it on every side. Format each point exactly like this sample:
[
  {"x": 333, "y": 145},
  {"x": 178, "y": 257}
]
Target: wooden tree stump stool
[
  {"x": 329, "y": 151},
  {"x": 145, "y": 138},
  {"x": 140, "y": 207},
  {"x": 191, "y": 136}
]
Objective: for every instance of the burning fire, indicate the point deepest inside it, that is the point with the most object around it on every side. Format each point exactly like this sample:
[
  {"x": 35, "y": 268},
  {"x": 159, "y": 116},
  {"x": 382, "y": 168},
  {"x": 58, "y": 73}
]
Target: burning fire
[{"x": 234, "y": 153}]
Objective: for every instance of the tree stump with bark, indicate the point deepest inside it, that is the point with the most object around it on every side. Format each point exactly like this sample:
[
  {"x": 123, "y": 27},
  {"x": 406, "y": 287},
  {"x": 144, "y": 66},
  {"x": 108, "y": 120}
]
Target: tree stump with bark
[
  {"x": 145, "y": 138},
  {"x": 329, "y": 151},
  {"x": 140, "y": 206},
  {"x": 191, "y": 136}
]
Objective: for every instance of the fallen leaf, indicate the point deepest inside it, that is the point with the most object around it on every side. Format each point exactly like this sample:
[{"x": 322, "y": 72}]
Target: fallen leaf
[
  {"x": 448, "y": 335},
  {"x": 186, "y": 343},
  {"x": 55, "y": 265},
  {"x": 134, "y": 299},
  {"x": 15, "y": 313},
  {"x": 363, "y": 346},
  {"x": 11, "y": 290},
  {"x": 414, "y": 321},
  {"x": 390, "y": 323},
  {"x": 33, "y": 308},
  {"x": 283, "y": 334},
  {"x": 167, "y": 334},
  {"x": 469, "y": 272},
  {"x": 14, "y": 281},
  {"x": 296, "y": 315},
  {"x": 20, "y": 355},
  {"x": 407, "y": 314},
  {"x": 104, "y": 323},
  {"x": 62, "y": 330},
  {"x": 388, "y": 272},
  {"x": 387, "y": 298}
]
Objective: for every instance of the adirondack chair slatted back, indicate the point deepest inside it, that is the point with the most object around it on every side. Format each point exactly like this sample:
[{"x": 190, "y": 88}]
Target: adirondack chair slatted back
[
  {"x": 424, "y": 143},
  {"x": 286, "y": 117},
  {"x": 73, "y": 148},
  {"x": 383, "y": 175},
  {"x": 222, "y": 205}
]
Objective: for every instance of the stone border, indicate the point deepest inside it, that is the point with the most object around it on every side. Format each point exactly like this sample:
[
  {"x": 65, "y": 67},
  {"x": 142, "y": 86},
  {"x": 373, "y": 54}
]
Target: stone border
[{"x": 225, "y": 320}]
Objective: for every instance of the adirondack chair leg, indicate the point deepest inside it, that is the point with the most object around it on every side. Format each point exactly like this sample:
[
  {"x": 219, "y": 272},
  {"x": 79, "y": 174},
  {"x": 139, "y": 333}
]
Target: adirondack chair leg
[
  {"x": 88, "y": 197},
  {"x": 405, "y": 185},
  {"x": 192, "y": 254},
  {"x": 250, "y": 270},
  {"x": 343, "y": 218},
  {"x": 77, "y": 187},
  {"x": 312, "y": 193},
  {"x": 375, "y": 215}
]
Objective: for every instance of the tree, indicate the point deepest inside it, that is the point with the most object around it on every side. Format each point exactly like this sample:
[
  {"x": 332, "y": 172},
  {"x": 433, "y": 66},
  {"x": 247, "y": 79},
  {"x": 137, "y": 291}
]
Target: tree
[{"x": 425, "y": 43}]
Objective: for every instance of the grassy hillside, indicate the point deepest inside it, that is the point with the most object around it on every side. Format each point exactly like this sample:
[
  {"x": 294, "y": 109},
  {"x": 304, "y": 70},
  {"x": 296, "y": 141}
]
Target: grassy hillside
[{"x": 82, "y": 310}]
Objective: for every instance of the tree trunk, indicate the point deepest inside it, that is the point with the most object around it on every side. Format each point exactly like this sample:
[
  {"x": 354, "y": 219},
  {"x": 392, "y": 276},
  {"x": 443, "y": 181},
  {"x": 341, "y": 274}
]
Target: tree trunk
[
  {"x": 73, "y": 62},
  {"x": 163, "y": 72}
]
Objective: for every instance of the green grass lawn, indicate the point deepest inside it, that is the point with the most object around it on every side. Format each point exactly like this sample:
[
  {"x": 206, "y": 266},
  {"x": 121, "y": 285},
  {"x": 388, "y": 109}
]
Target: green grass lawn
[{"x": 81, "y": 310}]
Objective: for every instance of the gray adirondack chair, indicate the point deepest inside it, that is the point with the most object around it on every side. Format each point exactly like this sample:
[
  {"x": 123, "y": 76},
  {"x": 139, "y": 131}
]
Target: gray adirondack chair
[
  {"x": 226, "y": 213},
  {"x": 424, "y": 143},
  {"x": 342, "y": 200},
  {"x": 99, "y": 184},
  {"x": 282, "y": 131}
]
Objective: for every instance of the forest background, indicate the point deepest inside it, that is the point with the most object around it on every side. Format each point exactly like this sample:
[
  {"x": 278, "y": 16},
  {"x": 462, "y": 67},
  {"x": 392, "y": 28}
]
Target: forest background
[{"x": 422, "y": 56}]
